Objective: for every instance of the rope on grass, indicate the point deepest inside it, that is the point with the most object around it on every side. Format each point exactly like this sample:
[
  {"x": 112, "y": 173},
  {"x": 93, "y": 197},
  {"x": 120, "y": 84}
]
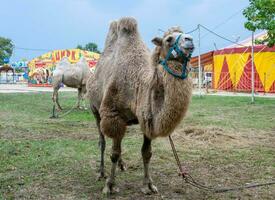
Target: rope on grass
[
  {"x": 190, "y": 180},
  {"x": 68, "y": 112}
]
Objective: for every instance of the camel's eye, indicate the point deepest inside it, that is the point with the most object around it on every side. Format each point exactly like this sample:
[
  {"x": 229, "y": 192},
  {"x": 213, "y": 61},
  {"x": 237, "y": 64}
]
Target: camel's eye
[{"x": 169, "y": 40}]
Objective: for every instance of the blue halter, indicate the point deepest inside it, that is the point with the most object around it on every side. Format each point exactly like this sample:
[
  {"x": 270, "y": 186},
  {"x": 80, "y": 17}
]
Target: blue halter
[{"x": 175, "y": 47}]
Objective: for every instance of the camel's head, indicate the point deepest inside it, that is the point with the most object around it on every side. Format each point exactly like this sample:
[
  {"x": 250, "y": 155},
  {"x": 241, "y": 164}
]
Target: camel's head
[
  {"x": 175, "y": 47},
  {"x": 175, "y": 44}
]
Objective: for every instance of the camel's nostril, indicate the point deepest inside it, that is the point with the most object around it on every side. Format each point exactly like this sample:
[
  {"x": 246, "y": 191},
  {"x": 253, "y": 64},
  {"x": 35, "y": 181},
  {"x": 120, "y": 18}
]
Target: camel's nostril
[{"x": 189, "y": 48}]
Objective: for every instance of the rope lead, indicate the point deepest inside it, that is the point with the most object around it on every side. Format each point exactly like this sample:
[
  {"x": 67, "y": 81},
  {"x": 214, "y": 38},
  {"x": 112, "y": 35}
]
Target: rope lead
[{"x": 191, "y": 181}]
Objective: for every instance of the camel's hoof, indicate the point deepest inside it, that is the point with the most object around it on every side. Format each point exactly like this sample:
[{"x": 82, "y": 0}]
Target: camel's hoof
[
  {"x": 106, "y": 191},
  {"x": 122, "y": 166},
  {"x": 101, "y": 177},
  {"x": 109, "y": 189},
  {"x": 149, "y": 189}
]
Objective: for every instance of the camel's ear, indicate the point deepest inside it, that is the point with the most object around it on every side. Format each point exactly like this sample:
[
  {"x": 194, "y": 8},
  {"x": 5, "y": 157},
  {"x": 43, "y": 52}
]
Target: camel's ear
[{"x": 157, "y": 41}]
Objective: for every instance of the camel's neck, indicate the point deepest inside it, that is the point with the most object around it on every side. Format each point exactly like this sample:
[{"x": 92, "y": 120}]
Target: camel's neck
[{"x": 169, "y": 99}]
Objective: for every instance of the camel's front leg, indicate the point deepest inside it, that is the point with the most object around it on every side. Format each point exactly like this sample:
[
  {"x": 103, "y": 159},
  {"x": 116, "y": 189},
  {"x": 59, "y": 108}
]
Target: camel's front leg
[
  {"x": 113, "y": 126},
  {"x": 57, "y": 101},
  {"x": 102, "y": 144},
  {"x": 116, "y": 152},
  {"x": 79, "y": 97},
  {"x": 146, "y": 156}
]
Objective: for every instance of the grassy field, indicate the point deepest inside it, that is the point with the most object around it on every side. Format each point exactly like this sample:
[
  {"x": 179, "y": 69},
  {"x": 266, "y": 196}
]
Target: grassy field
[{"x": 223, "y": 141}]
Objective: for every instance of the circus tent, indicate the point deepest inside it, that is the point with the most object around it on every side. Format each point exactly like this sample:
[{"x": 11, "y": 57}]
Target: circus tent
[
  {"x": 232, "y": 66},
  {"x": 206, "y": 61}
]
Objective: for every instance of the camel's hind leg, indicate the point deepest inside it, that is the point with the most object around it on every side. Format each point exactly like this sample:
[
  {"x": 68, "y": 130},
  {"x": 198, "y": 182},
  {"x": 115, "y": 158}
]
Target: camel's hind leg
[
  {"x": 102, "y": 144},
  {"x": 55, "y": 101},
  {"x": 146, "y": 156}
]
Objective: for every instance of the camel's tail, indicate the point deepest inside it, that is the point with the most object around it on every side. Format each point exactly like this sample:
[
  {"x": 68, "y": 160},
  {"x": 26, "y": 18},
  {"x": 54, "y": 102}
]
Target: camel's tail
[{"x": 127, "y": 24}]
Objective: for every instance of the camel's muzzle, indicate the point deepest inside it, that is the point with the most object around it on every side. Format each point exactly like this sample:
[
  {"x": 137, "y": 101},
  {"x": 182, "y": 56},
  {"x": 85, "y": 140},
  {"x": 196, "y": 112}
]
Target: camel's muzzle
[{"x": 183, "y": 48}]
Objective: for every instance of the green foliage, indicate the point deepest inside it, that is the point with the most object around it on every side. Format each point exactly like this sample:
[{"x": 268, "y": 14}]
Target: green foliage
[
  {"x": 79, "y": 47},
  {"x": 261, "y": 16},
  {"x": 6, "y": 48},
  {"x": 89, "y": 47}
]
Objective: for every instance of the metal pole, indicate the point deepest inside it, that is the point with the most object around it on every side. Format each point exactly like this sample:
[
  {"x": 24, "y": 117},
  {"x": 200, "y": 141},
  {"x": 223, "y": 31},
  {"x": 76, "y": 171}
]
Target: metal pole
[
  {"x": 199, "y": 57},
  {"x": 252, "y": 70},
  {"x": 264, "y": 81}
]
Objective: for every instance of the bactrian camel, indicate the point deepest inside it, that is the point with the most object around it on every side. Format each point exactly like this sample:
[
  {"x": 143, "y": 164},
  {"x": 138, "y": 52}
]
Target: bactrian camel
[
  {"x": 133, "y": 86},
  {"x": 71, "y": 75}
]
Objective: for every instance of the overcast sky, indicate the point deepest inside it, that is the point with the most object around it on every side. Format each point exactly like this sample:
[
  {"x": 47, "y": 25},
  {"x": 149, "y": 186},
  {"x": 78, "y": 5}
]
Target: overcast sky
[{"x": 61, "y": 24}]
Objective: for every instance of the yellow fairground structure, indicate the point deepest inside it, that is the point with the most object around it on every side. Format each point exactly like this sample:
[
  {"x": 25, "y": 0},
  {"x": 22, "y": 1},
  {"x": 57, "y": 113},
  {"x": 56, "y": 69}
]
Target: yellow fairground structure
[{"x": 41, "y": 68}]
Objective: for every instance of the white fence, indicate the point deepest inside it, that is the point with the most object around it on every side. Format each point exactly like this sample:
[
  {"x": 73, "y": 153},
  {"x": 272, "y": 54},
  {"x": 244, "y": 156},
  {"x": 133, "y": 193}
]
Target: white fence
[{"x": 9, "y": 77}]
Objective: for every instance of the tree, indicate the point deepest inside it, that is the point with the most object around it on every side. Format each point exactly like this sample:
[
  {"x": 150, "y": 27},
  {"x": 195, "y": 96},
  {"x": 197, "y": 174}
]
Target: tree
[
  {"x": 89, "y": 47},
  {"x": 260, "y": 15},
  {"x": 6, "y": 48}
]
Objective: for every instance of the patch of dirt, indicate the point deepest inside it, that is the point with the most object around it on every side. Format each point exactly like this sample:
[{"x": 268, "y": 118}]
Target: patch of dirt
[
  {"x": 77, "y": 131},
  {"x": 207, "y": 134},
  {"x": 223, "y": 138}
]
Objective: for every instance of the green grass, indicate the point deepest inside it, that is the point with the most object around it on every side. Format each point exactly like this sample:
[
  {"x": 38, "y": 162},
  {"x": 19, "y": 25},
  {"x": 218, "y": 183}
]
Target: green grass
[
  {"x": 222, "y": 141},
  {"x": 233, "y": 112}
]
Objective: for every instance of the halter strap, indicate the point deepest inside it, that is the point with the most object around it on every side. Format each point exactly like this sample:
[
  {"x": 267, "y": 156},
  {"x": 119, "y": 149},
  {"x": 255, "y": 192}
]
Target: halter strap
[{"x": 186, "y": 59}]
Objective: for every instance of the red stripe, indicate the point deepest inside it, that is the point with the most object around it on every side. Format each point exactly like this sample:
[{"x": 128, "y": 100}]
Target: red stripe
[
  {"x": 39, "y": 85},
  {"x": 261, "y": 48}
]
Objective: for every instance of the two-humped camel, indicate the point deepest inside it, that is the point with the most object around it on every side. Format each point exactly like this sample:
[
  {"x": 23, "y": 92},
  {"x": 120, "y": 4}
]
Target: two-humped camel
[
  {"x": 71, "y": 75},
  {"x": 130, "y": 86}
]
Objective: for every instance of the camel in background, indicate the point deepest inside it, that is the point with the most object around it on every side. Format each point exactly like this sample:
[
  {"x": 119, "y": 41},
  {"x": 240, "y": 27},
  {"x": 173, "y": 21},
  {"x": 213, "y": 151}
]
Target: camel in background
[{"x": 71, "y": 75}]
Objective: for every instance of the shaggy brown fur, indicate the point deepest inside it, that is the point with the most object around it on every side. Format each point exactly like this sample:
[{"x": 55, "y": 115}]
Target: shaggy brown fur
[{"x": 129, "y": 87}]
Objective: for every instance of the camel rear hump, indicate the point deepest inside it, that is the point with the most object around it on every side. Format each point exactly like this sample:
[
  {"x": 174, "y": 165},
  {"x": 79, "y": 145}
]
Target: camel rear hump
[{"x": 127, "y": 24}]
